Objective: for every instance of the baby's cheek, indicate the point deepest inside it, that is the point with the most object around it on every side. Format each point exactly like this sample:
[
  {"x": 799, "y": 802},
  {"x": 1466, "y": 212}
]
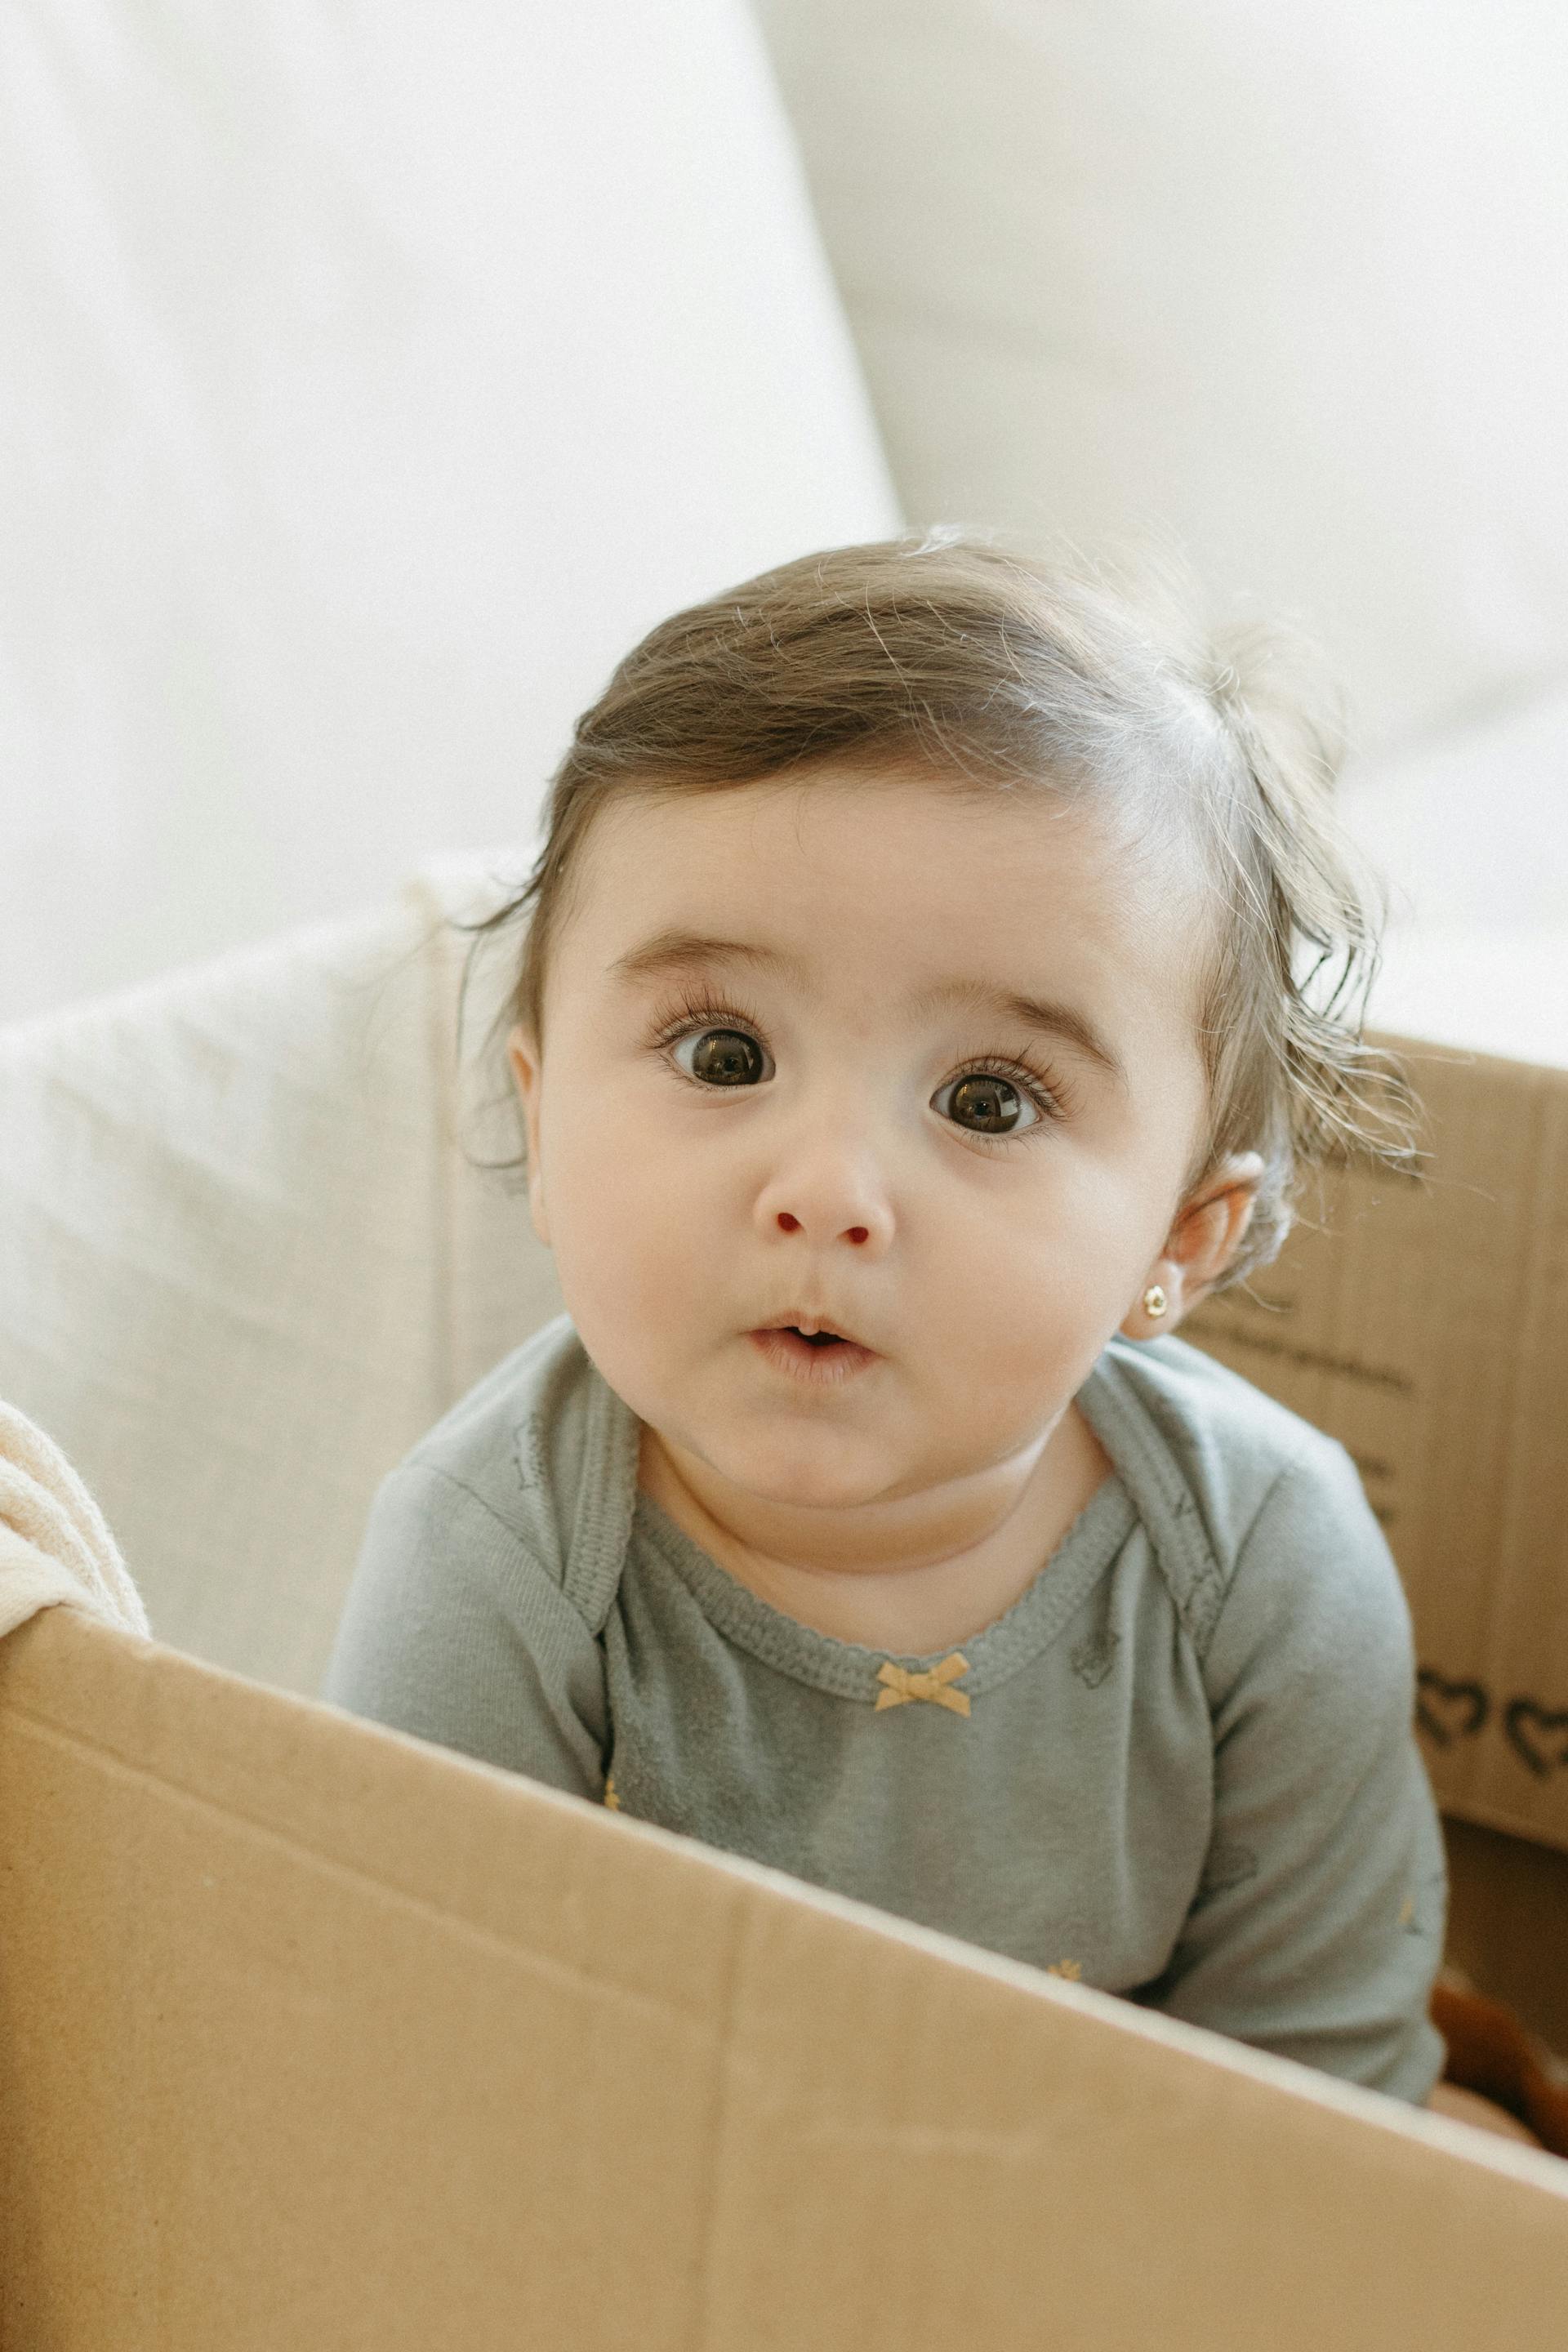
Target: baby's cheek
[
  {"x": 1048, "y": 1281},
  {"x": 632, "y": 1256}
]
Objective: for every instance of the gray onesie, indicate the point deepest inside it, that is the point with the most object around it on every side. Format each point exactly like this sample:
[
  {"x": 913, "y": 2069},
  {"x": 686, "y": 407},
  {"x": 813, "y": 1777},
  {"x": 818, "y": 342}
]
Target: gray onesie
[{"x": 1181, "y": 1766}]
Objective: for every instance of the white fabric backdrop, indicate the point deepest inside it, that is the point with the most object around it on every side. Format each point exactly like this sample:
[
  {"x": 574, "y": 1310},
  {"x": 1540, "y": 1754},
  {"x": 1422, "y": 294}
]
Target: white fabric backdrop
[
  {"x": 1472, "y": 831},
  {"x": 370, "y": 377},
  {"x": 1282, "y": 282}
]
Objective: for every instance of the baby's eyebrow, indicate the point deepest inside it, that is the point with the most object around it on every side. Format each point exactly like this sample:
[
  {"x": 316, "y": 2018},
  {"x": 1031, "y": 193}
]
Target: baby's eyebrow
[{"x": 675, "y": 951}]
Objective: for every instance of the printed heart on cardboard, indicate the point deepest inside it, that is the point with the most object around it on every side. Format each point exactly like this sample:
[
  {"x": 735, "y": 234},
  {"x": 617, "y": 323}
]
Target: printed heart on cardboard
[
  {"x": 1537, "y": 1735},
  {"x": 1449, "y": 1711}
]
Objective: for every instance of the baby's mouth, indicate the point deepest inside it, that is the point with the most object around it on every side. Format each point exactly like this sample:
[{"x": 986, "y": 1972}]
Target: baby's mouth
[
  {"x": 791, "y": 1349},
  {"x": 800, "y": 1341}
]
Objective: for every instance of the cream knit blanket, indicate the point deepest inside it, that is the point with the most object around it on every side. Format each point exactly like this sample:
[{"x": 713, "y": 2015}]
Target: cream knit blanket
[{"x": 55, "y": 1544}]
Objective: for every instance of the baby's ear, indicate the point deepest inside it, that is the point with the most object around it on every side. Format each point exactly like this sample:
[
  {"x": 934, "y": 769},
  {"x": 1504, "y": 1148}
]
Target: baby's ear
[
  {"x": 523, "y": 1055},
  {"x": 526, "y": 1071},
  {"x": 1202, "y": 1242},
  {"x": 1209, "y": 1231}
]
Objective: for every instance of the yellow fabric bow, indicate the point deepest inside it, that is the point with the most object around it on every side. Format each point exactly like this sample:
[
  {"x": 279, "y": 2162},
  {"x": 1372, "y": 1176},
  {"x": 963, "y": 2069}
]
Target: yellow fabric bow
[{"x": 930, "y": 1682}]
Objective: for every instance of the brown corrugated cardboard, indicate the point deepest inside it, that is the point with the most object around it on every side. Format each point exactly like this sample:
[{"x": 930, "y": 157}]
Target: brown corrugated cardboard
[
  {"x": 1425, "y": 1324},
  {"x": 318, "y": 2036},
  {"x": 311, "y": 2034}
]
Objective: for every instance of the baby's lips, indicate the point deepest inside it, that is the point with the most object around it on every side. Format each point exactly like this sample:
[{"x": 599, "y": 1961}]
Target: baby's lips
[{"x": 809, "y": 1325}]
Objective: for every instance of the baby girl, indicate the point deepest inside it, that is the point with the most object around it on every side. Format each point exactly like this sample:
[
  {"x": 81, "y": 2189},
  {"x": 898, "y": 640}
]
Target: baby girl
[{"x": 914, "y": 1022}]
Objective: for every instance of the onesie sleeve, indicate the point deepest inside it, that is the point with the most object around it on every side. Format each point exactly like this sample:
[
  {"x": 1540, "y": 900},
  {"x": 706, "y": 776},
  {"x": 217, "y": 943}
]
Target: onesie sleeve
[
  {"x": 1319, "y": 1922},
  {"x": 453, "y": 1632}
]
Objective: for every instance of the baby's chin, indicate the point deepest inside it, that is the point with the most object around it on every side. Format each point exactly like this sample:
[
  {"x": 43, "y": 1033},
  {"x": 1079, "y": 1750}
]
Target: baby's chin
[
  {"x": 769, "y": 1462},
  {"x": 814, "y": 1486},
  {"x": 813, "y": 1456}
]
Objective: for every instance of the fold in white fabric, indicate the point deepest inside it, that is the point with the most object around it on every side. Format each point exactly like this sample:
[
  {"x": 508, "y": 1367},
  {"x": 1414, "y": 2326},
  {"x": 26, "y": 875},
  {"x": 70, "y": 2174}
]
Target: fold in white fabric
[
  {"x": 55, "y": 1543},
  {"x": 252, "y": 1247}
]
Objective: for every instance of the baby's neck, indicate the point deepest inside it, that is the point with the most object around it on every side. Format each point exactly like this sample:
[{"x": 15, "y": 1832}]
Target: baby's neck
[{"x": 905, "y": 1611}]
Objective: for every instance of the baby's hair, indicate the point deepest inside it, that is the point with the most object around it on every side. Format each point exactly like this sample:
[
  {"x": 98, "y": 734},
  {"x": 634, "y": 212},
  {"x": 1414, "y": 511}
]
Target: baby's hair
[{"x": 999, "y": 674}]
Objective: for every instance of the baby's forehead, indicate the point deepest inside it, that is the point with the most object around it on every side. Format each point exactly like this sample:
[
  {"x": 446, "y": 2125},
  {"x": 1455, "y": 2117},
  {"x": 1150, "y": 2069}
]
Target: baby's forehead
[
  {"x": 914, "y": 893},
  {"x": 896, "y": 818}
]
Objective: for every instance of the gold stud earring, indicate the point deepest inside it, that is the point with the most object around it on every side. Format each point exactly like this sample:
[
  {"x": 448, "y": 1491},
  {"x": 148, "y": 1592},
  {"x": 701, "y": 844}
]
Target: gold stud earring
[{"x": 1154, "y": 1301}]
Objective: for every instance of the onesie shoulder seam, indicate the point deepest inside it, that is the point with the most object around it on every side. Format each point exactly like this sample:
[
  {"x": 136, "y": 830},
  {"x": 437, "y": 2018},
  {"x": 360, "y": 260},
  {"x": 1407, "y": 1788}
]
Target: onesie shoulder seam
[
  {"x": 519, "y": 1540},
  {"x": 1184, "y": 1555},
  {"x": 1197, "y": 1561},
  {"x": 1286, "y": 1470}
]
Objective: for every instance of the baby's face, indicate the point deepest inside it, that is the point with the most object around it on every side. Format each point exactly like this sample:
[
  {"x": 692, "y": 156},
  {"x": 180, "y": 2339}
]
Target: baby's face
[{"x": 822, "y": 1139}]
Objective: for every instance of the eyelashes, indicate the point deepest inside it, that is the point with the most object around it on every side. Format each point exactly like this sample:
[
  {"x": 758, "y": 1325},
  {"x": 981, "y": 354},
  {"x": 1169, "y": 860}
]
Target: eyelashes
[{"x": 1050, "y": 1098}]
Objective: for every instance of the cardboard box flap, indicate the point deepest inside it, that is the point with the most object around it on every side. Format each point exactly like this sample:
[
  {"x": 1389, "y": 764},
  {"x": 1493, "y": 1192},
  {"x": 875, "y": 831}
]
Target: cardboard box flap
[
  {"x": 315, "y": 2034},
  {"x": 1424, "y": 1322}
]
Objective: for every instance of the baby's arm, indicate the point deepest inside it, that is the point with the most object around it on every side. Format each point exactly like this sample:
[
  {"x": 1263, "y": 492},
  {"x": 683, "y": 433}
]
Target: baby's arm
[
  {"x": 1318, "y": 1927},
  {"x": 453, "y": 1632}
]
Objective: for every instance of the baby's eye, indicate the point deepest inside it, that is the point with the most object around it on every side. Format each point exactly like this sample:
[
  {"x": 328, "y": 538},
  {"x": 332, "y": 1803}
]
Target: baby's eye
[
  {"x": 720, "y": 1057},
  {"x": 992, "y": 1101}
]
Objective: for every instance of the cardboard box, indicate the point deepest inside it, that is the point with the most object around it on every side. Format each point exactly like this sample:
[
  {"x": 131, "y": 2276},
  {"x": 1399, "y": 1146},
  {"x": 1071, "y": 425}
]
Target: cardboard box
[
  {"x": 312, "y": 2034},
  {"x": 1425, "y": 1324}
]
